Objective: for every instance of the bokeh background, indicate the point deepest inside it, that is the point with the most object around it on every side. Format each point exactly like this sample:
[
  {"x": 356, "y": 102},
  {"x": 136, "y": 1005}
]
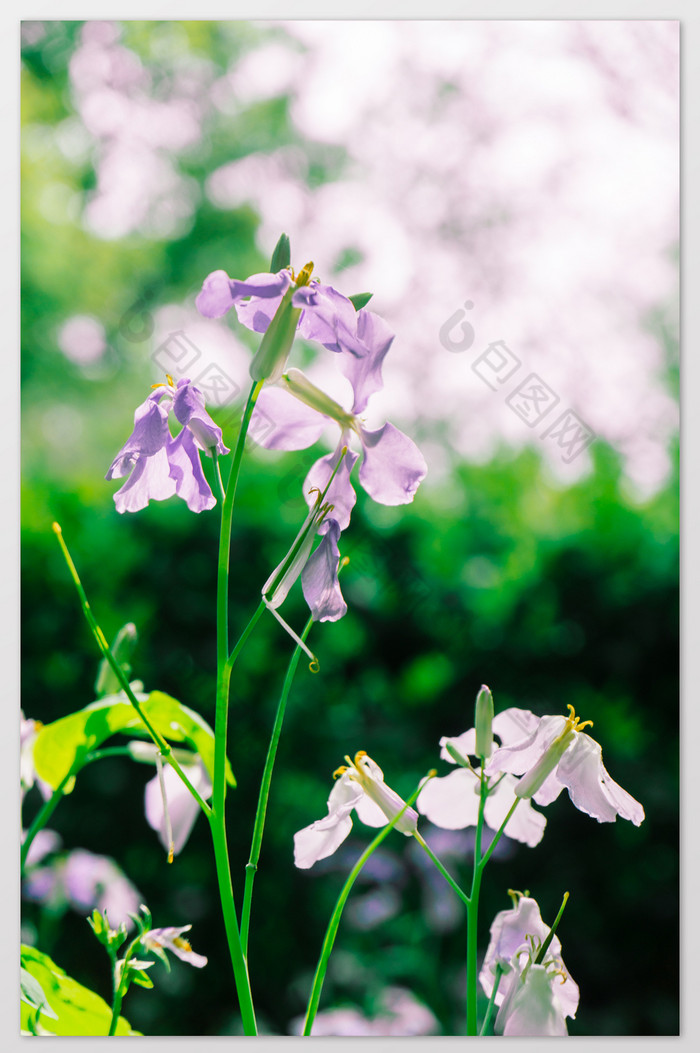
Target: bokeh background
[{"x": 527, "y": 169}]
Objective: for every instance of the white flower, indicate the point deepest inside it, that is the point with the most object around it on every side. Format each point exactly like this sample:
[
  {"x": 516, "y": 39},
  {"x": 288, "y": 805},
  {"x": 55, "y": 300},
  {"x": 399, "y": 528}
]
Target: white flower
[
  {"x": 556, "y": 753},
  {"x": 452, "y": 801},
  {"x": 533, "y": 1008},
  {"x": 514, "y": 933},
  {"x": 170, "y": 938},
  {"x": 173, "y": 812},
  {"x": 360, "y": 786}
]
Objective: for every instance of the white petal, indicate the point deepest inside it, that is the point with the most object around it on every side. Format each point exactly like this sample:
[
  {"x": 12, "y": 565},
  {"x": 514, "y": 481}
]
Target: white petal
[
  {"x": 182, "y": 807},
  {"x": 524, "y": 754},
  {"x": 591, "y": 788},
  {"x": 526, "y": 824},
  {"x": 369, "y": 812},
  {"x": 451, "y": 801},
  {"x": 534, "y": 1010},
  {"x": 513, "y": 725},
  {"x": 319, "y": 840},
  {"x": 465, "y": 743}
]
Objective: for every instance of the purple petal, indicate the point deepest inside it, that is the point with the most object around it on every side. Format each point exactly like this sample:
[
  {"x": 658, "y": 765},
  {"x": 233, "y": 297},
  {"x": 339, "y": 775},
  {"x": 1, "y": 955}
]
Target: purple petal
[
  {"x": 186, "y": 471},
  {"x": 281, "y": 422},
  {"x": 319, "y": 579},
  {"x": 340, "y": 493},
  {"x": 189, "y": 408},
  {"x": 149, "y": 481},
  {"x": 256, "y": 313},
  {"x": 392, "y": 467},
  {"x": 216, "y": 297},
  {"x": 267, "y": 286},
  {"x": 365, "y": 372},
  {"x": 150, "y": 434},
  {"x": 329, "y": 318}
]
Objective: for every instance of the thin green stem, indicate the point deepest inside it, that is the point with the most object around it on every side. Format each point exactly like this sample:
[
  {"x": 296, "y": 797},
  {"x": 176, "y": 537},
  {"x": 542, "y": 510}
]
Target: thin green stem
[
  {"x": 44, "y": 814},
  {"x": 259, "y": 827},
  {"x": 550, "y": 935},
  {"x": 492, "y": 999},
  {"x": 119, "y": 672},
  {"x": 333, "y": 924},
  {"x": 473, "y": 913},
  {"x": 224, "y": 665},
  {"x": 218, "y": 481},
  {"x": 445, "y": 873}
]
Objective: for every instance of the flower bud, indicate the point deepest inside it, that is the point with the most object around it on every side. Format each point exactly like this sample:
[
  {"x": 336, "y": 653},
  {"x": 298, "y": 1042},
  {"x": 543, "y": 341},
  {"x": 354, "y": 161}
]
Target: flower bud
[
  {"x": 483, "y": 721},
  {"x": 271, "y": 356},
  {"x": 299, "y": 385},
  {"x": 122, "y": 648}
]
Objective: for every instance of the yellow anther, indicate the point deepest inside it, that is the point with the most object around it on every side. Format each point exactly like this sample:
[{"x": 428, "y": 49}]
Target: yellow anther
[
  {"x": 161, "y": 384},
  {"x": 304, "y": 276},
  {"x": 339, "y": 771},
  {"x": 171, "y": 852},
  {"x": 344, "y": 562},
  {"x": 184, "y": 945},
  {"x": 575, "y": 723},
  {"x": 359, "y": 755}
]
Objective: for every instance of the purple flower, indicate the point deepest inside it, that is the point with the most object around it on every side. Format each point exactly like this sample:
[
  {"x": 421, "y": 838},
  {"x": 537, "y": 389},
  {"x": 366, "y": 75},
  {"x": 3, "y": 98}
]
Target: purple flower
[
  {"x": 158, "y": 465},
  {"x": 170, "y": 939},
  {"x": 84, "y": 880},
  {"x": 326, "y": 316},
  {"x": 392, "y": 466}
]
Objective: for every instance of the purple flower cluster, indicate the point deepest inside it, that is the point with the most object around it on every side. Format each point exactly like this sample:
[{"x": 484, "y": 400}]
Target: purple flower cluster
[
  {"x": 158, "y": 465},
  {"x": 391, "y": 466}
]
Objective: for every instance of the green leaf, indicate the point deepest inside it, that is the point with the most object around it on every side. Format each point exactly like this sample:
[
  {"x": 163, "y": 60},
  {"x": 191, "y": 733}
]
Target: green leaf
[
  {"x": 76, "y": 1009},
  {"x": 281, "y": 257},
  {"x": 360, "y": 300},
  {"x": 31, "y": 992},
  {"x": 66, "y": 742}
]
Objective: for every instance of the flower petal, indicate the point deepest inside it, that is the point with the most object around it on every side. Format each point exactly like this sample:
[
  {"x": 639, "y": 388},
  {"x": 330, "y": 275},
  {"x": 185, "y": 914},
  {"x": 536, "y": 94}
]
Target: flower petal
[
  {"x": 319, "y": 578},
  {"x": 216, "y": 298},
  {"x": 365, "y": 371},
  {"x": 341, "y": 493},
  {"x": 590, "y": 787},
  {"x": 392, "y": 467},
  {"x": 452, "y": 801},
  {"x": 190, "y": 410},
  {"x": 526, "y": 824},
  {"x": 182, "y": 807},
  {"x": 149, "y": 481},
  {"x": 281, "y": 422},
  {"x": 329, "y": 318},
  {"x": 150, "y": 435},
  {"x": 322, "y": 838},
  {"x": 186, "y": 471}
]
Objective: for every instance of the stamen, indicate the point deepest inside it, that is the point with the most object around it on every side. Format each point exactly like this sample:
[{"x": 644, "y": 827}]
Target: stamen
[
  {"x": 184, "y": 945},
  {"x": 575, "y": 722},
  {"x": 339, "y": 771},
  {"x": 358, "y": 757},
  {"x": 297, "y": 639},
  {"x": 166, "y": 812},
  {"x": 305, "y": 275}
]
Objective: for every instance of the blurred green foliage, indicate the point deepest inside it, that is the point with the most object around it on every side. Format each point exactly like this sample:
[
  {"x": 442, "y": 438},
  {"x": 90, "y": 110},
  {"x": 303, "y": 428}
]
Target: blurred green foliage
[{"x": 495, "y": 574}]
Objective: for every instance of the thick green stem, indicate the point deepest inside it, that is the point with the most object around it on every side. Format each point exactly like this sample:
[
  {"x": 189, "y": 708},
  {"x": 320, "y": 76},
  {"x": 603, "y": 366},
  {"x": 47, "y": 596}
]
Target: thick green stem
[
  {"x": 264, "y": 794},
  {"x": 333, "y": 924},
  {"x": 473, "y": 914}
]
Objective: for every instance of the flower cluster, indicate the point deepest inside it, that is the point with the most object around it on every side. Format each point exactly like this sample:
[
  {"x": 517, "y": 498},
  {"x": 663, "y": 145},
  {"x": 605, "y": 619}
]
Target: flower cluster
[
  {"x": 295, "y": 412},
  {"x": 158, "y": 465}
]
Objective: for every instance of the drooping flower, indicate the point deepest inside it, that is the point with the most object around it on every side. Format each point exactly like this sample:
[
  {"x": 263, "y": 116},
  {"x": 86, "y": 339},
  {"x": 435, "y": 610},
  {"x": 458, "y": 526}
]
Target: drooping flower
[
  {"x": 170, "y": 939},
  {"x": 360, "y": 787},
  {"x": 556, "y": 753},
  {"x": 392, "y": 466},
  {"x": 514, "y": 935},
  {"x": 452, "y": 801},
  {"x": 533, "y": 1006},
  {"x": 158, "y": 465},
  {"x": 170, "y": 808}
]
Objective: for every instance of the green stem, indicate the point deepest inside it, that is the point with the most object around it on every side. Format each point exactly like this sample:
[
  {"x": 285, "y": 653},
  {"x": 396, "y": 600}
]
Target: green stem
[
  {"x": 445, "y": 873},
  {"x": 44, "y": 814},
  {"x": 224, "y": 665},
  {"x": 218, "y": 481},
  {"x": 264, "y": 794},
  {"x": 492, "y": 999},
  {"x": 550, "y": 935},
  {"x": 473, "y": 913},
  {"x": 333, "y": 924},
  {"x": 119, "y": 672}
]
